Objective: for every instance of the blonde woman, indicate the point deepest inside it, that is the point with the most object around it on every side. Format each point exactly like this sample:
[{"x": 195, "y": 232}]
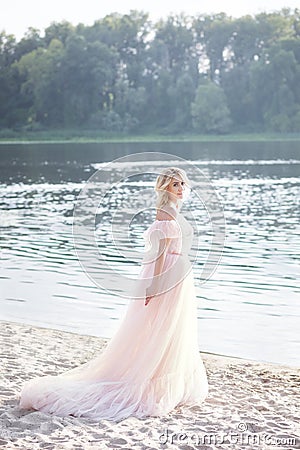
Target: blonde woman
[
  {"x": 170, "y": 187},
  {"x": 152, "y": 364}
]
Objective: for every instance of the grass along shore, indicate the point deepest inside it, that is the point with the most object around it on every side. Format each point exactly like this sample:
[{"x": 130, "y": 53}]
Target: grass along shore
[{"x": 94, "y": 136}]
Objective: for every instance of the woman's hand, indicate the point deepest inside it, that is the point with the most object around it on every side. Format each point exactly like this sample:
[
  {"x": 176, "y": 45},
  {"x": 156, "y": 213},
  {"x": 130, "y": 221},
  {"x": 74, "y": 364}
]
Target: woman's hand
[{"x": 148, "y": 296}]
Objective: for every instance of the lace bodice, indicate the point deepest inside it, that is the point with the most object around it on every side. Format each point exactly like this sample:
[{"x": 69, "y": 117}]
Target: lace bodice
[{"x": 179, "y": 230}]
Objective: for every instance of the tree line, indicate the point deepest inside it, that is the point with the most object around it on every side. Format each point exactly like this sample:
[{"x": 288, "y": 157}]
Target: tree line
[{"x": 124, "y": 73}]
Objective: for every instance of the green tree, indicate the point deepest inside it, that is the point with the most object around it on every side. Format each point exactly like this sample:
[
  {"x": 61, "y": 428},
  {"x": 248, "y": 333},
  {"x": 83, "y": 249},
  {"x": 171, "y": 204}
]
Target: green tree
[
  {"x": 129, "y": 104},
  {"x": 127, "y": 73},
  {"x": 10, "y": 105},
  {"x": 213, "y": 36},
  {"x": 41, "y": 71},
  {"x": 58, "y": 30},
  {"x": 209, "y": 110},
  {"x": 177, "y": 38},
  {"x": 31, "y": 41},
  {"x": 171, "y": 74},
  {"x": 275, "y": 88},
  {"x": 87, "y": 76},
  {"x": 127, "y": 35},
  {"x": 182, "y": 93}
]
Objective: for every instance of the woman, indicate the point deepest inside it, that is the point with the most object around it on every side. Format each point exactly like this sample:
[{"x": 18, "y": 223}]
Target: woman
[{"x": 152, "y": 363}]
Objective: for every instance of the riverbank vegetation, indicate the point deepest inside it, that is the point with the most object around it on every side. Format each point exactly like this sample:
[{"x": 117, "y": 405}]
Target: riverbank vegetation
[
  {"x": 127, "y": 78},
  {"x": 92, "y": 136}
]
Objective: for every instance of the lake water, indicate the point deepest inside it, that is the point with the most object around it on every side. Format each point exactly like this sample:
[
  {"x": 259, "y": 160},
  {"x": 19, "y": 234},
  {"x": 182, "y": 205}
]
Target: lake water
[{"x": 249, "y": 307}]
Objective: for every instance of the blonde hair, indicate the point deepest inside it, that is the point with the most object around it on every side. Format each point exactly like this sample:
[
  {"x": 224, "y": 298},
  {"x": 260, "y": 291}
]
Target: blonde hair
[{"x": 162, "y": 182}]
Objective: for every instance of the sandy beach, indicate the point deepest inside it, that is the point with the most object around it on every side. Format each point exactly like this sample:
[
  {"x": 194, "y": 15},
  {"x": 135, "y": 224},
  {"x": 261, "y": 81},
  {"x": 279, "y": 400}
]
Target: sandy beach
[{"x": 250, "y": 404}]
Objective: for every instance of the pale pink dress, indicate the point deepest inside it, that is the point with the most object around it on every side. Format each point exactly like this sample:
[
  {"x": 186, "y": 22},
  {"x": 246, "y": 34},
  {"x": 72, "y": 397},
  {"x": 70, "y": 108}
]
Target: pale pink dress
[{"x": 152, "y": 363}]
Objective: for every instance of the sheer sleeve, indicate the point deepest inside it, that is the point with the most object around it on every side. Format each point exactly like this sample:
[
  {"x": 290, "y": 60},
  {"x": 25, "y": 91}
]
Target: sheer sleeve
[
  {"x": 164, "y": 229},
  {"x": 160, "y": 229}
]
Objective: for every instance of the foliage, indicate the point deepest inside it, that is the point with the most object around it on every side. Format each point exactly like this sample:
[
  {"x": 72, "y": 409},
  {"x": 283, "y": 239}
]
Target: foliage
[
  {"x": 209, "y": 110},
  {"x": 207, "y": 74}
]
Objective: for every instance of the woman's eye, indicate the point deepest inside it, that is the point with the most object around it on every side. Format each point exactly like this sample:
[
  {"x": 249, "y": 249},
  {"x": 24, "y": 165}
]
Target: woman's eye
[{"x": 176, "y": 183}]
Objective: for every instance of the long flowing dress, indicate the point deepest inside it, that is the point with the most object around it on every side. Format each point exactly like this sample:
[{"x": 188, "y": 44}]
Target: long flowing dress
[{"x": 152, "y": 363}]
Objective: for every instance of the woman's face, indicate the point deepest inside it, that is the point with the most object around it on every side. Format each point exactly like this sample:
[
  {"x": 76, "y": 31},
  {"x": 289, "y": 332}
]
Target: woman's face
[{"x": 176, "y": 188}]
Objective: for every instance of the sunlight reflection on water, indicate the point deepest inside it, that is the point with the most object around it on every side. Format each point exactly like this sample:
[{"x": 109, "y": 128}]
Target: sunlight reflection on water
[{"x": 249, "y": 306}]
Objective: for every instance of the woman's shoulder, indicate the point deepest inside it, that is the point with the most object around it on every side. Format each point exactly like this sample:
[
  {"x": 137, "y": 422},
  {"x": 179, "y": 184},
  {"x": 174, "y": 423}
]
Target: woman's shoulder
[{"x": 166, "y": 213}]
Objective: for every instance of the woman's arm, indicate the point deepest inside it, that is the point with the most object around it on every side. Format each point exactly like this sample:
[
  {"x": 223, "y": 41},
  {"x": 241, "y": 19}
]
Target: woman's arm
[
  {"x": 152, "y": 290},
  {"x": 159, "y": 263}
]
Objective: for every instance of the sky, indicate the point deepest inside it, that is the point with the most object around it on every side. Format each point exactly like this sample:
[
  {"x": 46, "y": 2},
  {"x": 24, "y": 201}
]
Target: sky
[{"x": 18, "y": 15}]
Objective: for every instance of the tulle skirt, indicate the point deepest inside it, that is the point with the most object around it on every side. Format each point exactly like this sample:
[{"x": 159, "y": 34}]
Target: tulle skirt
[{"x": 151, "y": 364}]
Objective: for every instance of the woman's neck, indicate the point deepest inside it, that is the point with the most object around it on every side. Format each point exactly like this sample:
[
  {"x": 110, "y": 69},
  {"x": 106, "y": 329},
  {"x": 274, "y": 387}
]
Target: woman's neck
[{"x": 176, "y": 204}]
